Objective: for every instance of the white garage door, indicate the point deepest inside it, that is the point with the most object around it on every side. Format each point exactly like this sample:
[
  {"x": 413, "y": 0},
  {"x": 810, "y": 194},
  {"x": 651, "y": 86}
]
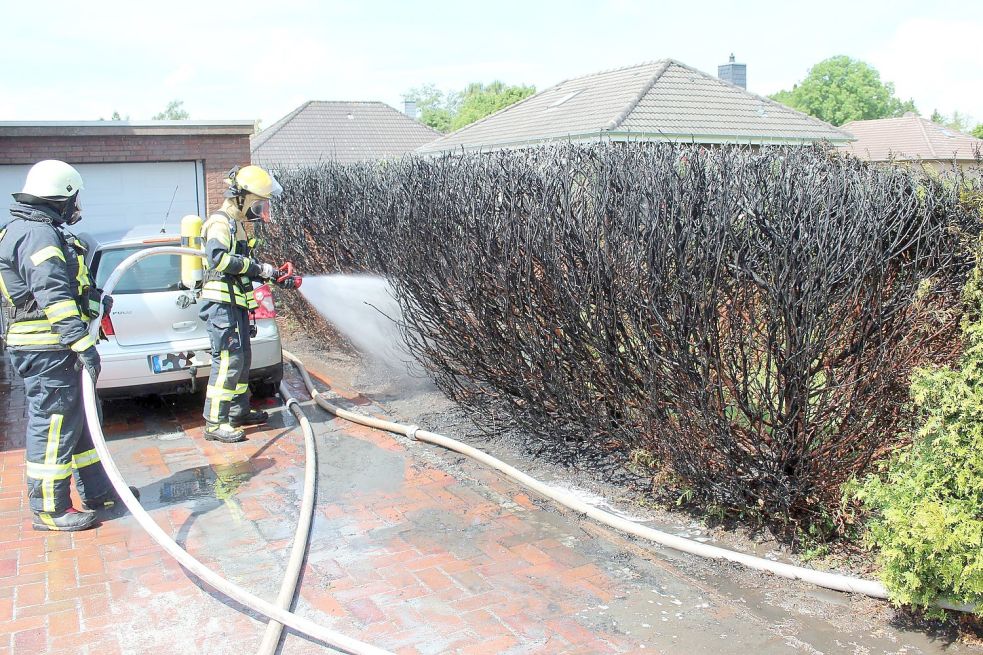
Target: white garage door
[{"x": 121, "y": 196}]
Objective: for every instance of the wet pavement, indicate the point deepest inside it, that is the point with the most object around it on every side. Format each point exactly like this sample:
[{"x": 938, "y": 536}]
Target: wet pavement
[{"x": 416, "y": 554}]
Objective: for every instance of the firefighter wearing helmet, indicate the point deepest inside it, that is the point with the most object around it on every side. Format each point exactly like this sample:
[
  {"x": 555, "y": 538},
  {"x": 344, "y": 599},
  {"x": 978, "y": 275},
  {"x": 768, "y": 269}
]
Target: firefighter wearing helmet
[
  {"x": 47, "y": 300},
  {"x": 227, "y": 295}
]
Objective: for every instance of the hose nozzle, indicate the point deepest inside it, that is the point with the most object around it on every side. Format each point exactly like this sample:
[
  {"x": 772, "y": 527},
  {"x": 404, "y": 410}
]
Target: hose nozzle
[{"x": 287, "y": 278}]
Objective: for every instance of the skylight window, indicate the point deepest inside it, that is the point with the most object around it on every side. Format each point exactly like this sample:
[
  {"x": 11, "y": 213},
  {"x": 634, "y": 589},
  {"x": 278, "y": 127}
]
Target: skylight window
[{"x": 563, "y": 99}]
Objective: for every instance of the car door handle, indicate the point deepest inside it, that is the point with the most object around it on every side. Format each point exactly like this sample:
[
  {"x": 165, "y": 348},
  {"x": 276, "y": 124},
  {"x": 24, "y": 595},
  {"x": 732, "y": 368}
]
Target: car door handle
[{"x": 184, "y": 325}]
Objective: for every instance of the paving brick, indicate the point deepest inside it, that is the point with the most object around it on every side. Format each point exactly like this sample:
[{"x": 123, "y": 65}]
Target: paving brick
[
  {"x": 472, "y": 581},
  {"x": 32, "y": 640},
  {"x": 23, "y": 625},
  {"x": 430, "y": 561},
  {"x": 90, "y": 566},
  {"x": 365, "y": 611},
  {"x": 47, "y": 608},
  {"x": 94, "y": 607},
  {"x": 326, "y": 603},
  {"x": 434, "y": 579},
  {"x": 570, "y": 630},
  {"x": 479, "y": 601},
  {"x": 64, "y": 624},
  {"x": 57, "y": 592},
  {"x": 29, "y": 594},
  {"x": 497, "y": 645},
  {"x": 531, "y": 554}
]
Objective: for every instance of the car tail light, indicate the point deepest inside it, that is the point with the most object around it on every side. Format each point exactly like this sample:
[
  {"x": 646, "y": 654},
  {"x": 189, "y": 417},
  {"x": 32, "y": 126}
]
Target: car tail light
[
  {"x": 107, "y": 326},
  {"x": 264, "y": 298}
]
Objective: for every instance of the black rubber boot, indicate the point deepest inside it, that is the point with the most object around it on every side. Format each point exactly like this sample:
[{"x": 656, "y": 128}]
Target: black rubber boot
[
  {"x": 71, "y": 520},
  {"x": 254, "y": 417},
  {"x": 223, "y": 432},
  {"x": 109, "y": 501}
]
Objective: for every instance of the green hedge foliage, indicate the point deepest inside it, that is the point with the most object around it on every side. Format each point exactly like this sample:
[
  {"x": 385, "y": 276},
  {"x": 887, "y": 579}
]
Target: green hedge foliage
[{"x": 927, "y": 503}]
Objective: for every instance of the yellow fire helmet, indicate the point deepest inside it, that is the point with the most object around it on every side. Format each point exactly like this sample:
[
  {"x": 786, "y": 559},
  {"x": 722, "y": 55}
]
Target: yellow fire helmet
[{"x": 254, "y": 180}]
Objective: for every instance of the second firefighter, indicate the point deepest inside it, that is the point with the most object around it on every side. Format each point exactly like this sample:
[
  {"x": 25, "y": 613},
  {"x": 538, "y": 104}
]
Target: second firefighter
[{"x": 227, "y": 298}]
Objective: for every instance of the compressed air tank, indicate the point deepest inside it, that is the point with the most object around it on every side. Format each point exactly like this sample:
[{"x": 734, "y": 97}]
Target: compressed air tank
[{"x": 191, "y": 265}]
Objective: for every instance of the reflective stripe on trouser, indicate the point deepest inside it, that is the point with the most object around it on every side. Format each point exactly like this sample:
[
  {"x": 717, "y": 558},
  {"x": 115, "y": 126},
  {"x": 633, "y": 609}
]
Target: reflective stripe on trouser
[
  {"x": 227, "y": 394},
  {"x": 58, "y": 443}
]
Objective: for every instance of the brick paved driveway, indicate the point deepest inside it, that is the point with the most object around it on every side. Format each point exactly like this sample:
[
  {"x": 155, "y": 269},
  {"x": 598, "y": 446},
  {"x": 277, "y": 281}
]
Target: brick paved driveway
[{"x": 403, "y": 555}]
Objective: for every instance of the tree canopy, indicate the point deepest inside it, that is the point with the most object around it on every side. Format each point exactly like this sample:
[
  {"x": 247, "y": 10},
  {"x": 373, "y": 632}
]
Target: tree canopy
[
  {"x": 174, "y": 111},
  {"x": 437, "y": 109},
  {"x": 840, "y": 89},
  {"x": 480, "y": 100},
  {"x": 958, "y": 121},
  {"x": 454, "y": 109}
]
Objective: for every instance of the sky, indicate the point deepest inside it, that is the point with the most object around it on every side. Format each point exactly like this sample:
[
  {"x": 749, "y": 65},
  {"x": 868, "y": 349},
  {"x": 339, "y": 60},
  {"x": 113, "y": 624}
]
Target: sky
[{"x": 259, "y": 60}]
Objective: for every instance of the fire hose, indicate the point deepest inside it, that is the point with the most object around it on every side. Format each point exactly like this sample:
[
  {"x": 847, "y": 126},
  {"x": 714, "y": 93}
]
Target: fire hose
[
  {"x": 278, "y": 613},
  {"x": 825, "y": 579}
]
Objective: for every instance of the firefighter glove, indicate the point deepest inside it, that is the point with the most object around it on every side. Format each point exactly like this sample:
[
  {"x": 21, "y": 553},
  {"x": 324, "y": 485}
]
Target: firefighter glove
[{"x": 89, "y": 358}]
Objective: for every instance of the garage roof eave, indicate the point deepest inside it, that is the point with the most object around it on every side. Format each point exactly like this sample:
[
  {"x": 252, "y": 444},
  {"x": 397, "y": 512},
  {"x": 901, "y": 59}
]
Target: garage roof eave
[{"x": 124, "y": 128}]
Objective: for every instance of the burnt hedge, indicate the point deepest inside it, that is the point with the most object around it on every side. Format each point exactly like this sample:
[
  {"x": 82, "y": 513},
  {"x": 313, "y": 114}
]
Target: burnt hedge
[{"x": 749, "y": 317}]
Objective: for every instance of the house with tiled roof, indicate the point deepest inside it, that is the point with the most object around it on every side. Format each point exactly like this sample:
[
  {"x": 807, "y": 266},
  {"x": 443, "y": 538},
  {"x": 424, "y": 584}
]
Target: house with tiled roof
[
  {"x": 914, "y": 139},
  {"x": 662, "y": 100},
  {"x": 344, "y": 132}
]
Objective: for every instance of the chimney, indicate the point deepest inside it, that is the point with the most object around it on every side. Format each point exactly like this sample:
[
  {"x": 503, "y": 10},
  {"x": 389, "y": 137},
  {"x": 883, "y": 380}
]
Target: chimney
[
  {"x": 409, "y": 108},
  {"x": 736, "y": 74}
]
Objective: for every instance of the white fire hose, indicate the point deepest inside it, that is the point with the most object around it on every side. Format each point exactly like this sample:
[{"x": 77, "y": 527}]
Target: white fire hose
[
  {"x": 278, "y": 614},
  {"x": 295, "y": 563},
  {"x": 819, "y": 578}
]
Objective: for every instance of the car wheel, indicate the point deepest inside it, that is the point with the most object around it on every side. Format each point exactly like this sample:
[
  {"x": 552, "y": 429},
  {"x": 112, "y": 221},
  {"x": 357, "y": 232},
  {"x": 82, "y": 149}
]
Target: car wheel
[{"x": 264, "y": 389}]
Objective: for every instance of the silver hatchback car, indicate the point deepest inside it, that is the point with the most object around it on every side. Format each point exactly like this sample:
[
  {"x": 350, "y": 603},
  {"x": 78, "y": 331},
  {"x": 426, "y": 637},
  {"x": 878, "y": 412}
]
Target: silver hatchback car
[{"x": 155, "y": 342}]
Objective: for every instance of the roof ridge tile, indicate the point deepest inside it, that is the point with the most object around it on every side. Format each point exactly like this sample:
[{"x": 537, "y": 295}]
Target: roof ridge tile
[
  {"x": 928, "y": 139},
  {"x": 615, "y": 122}
]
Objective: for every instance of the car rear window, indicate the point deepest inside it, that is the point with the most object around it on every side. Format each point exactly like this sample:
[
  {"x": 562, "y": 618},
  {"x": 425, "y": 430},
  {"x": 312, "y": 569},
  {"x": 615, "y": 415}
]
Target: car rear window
[{"x": 157, "y": 273}]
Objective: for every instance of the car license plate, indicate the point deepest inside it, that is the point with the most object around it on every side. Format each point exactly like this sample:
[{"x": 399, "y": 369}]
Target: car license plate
[{"x": 169, "y": 362}]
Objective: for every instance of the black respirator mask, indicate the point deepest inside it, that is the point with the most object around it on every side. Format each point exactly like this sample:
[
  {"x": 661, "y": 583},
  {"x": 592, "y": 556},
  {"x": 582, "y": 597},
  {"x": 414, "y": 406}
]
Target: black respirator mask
[
  {"x": 71, "y": 210},
  {"x": 259, "y": 210}
]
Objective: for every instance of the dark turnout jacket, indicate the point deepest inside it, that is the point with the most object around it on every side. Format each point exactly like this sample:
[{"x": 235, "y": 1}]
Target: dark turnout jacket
[{"x": 45, "y": 288}]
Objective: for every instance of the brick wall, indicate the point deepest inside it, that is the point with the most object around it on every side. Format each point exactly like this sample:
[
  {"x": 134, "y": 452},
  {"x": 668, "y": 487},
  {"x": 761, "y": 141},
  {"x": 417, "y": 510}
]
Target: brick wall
[{"x": 218, "y": 152}]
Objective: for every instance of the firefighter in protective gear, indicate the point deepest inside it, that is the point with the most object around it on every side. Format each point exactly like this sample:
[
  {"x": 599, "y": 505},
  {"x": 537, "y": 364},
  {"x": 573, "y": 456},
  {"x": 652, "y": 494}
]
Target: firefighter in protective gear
[
  {"x": 227, "y": 295},
  {"x": 47, "y": 300}
]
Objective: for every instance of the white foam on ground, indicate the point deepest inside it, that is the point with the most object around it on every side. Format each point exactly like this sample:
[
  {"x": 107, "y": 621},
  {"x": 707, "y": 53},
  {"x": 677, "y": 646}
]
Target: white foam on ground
[{"x": 599, "y": 502}]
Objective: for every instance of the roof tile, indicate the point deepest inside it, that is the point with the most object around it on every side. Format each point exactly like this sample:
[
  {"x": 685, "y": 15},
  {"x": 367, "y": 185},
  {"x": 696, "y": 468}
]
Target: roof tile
[
  {"x": 339, "y": 131},
  {"x": 662, "y": 99},
  {"x": 910, "y": 138}
]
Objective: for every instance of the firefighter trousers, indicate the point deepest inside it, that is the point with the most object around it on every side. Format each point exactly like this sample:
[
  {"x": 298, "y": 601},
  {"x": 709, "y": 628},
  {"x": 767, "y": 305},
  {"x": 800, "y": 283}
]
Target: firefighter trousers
[
  {"x": 58, "y": 442},
  {"x": 227, "y": 395}
]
